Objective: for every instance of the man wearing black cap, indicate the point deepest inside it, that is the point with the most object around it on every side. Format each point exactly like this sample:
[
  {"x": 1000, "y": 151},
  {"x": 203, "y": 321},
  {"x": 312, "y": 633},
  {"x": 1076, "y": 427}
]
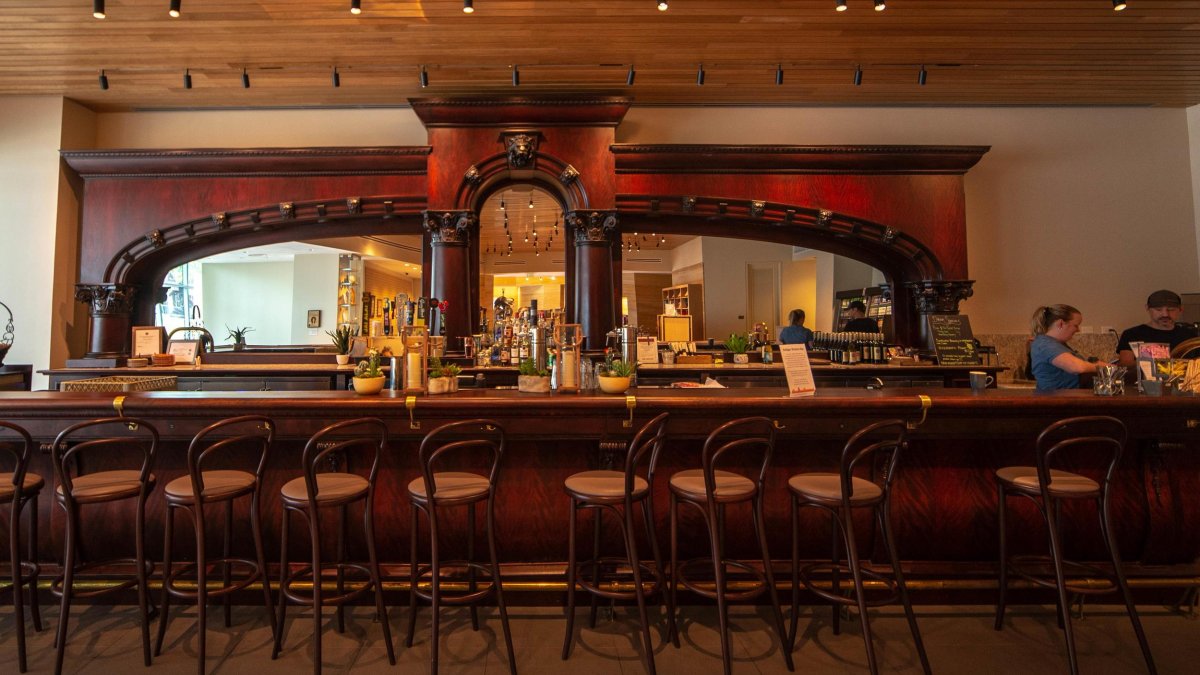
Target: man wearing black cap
[{"x": 1164, "y": 308}]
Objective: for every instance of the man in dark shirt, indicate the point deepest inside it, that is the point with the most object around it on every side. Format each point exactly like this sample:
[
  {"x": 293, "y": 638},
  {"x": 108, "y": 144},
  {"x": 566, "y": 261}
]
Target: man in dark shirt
[
  {"x": 859, "y": 323},
  {"x": 1164, "y": 308}
]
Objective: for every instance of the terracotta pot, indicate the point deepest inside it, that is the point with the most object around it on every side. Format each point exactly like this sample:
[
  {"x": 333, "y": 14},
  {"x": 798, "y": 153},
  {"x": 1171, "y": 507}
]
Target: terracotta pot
[
  {"x": 343, "y": 359},
  {"x": 613, "y": 385},
  {"x": 534, "y": 384},
  {"x": 453, "y": 384},
  {"x": 439, "y": 385},
  {"x": 368, "y": 386}
]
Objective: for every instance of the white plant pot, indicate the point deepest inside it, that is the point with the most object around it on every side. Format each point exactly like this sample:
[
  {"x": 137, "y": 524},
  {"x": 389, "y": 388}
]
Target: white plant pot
[
  {"x": 343, "y": 359},
  {"x": 534, "y": 384},
  {"x": 439, "y": 385},
  {"x": 741, "y": 358}
]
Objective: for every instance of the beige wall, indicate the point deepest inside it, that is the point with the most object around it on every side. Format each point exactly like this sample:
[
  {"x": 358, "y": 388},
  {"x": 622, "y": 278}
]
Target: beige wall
[
  {"x": 1089, "y": 206},
  {"x": 260, "y": 129}
]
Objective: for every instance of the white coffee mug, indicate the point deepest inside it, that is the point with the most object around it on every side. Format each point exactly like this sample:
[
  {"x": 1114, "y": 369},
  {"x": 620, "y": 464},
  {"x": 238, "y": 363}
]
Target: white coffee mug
[{"x": 980, "y": 380}]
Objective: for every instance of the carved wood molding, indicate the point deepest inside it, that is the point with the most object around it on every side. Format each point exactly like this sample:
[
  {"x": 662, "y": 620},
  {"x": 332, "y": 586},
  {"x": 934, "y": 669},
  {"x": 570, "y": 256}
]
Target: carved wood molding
[
  {"x": 797, "y": 159},
  {"x": 593, "y": 111},
  {"x": 940, "y": 297},
  {"x": 593, "y": 227},
  {"x": 106, "y": 299},
  {"x": 357, "y": 161},
  {"x": 451, "y": 227}
]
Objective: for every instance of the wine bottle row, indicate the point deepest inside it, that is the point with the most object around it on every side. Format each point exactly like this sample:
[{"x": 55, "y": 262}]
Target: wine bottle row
[{"x": 852, "y": 348}]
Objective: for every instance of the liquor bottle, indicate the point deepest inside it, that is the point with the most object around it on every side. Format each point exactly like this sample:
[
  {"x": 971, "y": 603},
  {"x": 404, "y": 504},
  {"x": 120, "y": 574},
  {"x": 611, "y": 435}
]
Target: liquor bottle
[
  {"x": 422, "y": 312},
  {"x": 387, "y": 316},
  {"x": 366, "y": 315},
  {"x": 514, "y": 351},
  {"x": 855, "y": 349}
]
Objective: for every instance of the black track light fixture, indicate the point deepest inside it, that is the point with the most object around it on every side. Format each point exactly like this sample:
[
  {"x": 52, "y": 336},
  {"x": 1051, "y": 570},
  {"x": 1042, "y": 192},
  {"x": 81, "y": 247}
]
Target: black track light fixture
[
  {"x": 630, "y": 76},
  {"x": 356, "y": 6},
  {"x": 779, "y": 74},
  {"x": 245, "y": 79},
  {"x": 880, "y": 5},
  {"x": 103, "y": 81},
  {"x": 531, "y": 202},
  {"x": 336, "y": 78},
  {"x": 922, "y": 76},
  {"x": 174, "y": 12},
  {"x": 468, "y": 7},
  {"x": 424, "y": 77},
  {"x": 1119, "y": 5},
  {"x": 841, "y": 5},
  {"x": 516, "y": 75},
  {"x": 663, "y": 6},
  {"x": 98, "y": 9},
  {"x": 700, "y": 76},
  {"x": 858, "y": 76},
  {"x": 187, "y": 79}
]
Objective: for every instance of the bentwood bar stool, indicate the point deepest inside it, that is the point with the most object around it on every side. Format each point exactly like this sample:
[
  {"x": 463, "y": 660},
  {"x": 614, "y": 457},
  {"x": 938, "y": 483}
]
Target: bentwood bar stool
[
  {"x": 617, "y": 492},
  {"x": 841, "y": 494},
  {"x": 1094, "y": 437},
  {"x": 20, "y": 488},
  {"x": 78, "y": 488},
  {"x": 436, "y": 491},
  {"x": 314, "y": 492},
  {"x": 710, "y": 490},
  {"x": 247, "y": 437}
]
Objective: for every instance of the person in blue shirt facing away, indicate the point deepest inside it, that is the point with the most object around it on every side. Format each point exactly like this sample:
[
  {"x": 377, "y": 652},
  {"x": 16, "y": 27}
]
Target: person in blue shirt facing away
[
  {"x": 1054, "y": 364},
  {"x": 795, "y": 333}
]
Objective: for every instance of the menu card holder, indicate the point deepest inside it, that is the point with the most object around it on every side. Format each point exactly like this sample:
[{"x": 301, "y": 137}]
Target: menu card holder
[{"x": 798, "y": 370}]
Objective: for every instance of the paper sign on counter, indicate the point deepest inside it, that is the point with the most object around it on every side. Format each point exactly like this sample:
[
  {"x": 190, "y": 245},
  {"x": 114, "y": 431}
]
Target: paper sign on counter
[
  {"x": 647, "y": 350},
  {"x": 798, "y": 370}
]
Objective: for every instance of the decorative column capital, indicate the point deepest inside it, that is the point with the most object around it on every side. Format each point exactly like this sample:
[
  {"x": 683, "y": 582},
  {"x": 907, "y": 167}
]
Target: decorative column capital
[
  {"x": 451, "y": 227},
  {"x": 106, "y": 299},
  {"x": 939, "y": 296},
  {"x": 592, "y": 227}
]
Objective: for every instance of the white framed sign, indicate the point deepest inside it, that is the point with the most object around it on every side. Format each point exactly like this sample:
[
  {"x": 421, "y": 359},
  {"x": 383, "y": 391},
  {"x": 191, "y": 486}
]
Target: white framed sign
[
  {"x": 647, "y": 350},
  {"x": 184, "y": 351},
  {"x": 147, "y": 340},
  {"x": 798, "y": 370}
]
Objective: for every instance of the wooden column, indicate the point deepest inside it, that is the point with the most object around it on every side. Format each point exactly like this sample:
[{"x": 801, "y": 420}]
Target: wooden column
[
  {"x": 111, "y": 309},
  {"x": 934, "y": 297},
  {"x": 593, "y": 288},
  {"x": 451, "y": 236}
]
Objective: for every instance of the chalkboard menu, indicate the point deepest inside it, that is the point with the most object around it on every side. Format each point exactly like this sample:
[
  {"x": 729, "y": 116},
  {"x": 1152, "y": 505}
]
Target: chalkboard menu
[{"x": 953, "y": 342}]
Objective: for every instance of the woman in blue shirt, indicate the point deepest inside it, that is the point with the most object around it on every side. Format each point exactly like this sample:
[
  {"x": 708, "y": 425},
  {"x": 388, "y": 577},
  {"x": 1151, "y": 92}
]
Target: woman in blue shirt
[
  {"x": 1054, "y": 364},
  {"x": 795, "y": 333}
]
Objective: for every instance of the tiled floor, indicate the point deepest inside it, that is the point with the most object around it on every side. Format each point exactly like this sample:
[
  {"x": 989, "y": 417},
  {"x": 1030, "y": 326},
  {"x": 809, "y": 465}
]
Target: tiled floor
[{"x": 958, "y": 640}]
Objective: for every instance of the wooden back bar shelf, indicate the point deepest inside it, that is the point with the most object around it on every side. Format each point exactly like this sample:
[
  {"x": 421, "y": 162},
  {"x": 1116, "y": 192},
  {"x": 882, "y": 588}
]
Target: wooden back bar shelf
[{"x": 944, "y": 501}]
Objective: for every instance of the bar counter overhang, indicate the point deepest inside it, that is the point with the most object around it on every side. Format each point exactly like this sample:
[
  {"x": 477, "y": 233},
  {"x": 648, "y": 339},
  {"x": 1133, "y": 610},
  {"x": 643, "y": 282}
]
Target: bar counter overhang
[{"x": 943, "y": 506}]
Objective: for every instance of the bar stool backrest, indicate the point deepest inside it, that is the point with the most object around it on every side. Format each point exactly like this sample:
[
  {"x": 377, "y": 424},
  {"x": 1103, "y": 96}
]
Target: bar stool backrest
[
  {"x": 20, "y": 457},
  {"x": 140, "y": 433},
  {"x": 1102, "y": 436},
  {"x": 749, "y": 435},
  {"x": 888, "y": 436},
  {"x": 649, "y": 440},
  {"x": 458, "y": 437},
  {"x": 258, "y": 437},
  {"x": 370, "y": 436}
]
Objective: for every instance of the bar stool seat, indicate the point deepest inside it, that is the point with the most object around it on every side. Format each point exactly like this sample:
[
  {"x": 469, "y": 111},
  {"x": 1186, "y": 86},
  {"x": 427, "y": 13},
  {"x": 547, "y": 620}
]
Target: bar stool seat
[
  {"x": 31, "y": 483},
  {"x": 104, "y": 486},
  {"x": 603, "y": 485},
  {"x": 690, "y": 483},
  {"x": 828, "y": 487},
  {"x": 219, "y": 484},
  {"x": 1025, "y": 478},
  {"x": 450, "y": 485},
  {"x": 331, "y": 487}
]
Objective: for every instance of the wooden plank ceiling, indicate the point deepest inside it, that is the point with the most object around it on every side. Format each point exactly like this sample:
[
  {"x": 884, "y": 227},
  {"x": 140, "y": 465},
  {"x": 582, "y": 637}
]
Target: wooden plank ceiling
[{"x": 975, "y": 52}]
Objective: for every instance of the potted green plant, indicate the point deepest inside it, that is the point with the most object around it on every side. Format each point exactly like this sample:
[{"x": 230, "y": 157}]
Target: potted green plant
[
  {"x": 614, "y": 377},
  {"x": 368, "y": 376},
  {"x": 238, "y": 335},
  {"x": 532, "y": 379},
  {"x": 342, "y": 337},
  {"x": 443, "y": 377},
  {"x": 739, "y": 344}
]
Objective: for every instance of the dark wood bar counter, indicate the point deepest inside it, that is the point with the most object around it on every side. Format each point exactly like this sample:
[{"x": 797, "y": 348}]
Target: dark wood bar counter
[{"x": 944, "y": 503}]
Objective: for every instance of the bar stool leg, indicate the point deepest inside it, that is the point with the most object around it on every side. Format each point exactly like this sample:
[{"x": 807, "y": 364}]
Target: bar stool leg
[
  {"x": 341, "y": 573},
  {"x": 227, "y": 570},
  {"x": 1002, "y": 507},
  {"x": 714, "y": 537},
  {"x": 571, "y": 560},
  {"x": 495, "y": 560},
  {"x": 1063, "y": 602},
  {"x": 64, "y": 612},
  {"x": 201, "y": 584},
  {"x": 314, "y": 533},
  {"x": 283, "y": 583},
  {"x": 435, "y": 590},
  {"x": 885, "y": 524},
  {"x": 795, "y": 618},
  {"x": 1115, "y": 555},
  {"x": 260, "y": 557},
  {"x": 659, "y": 571},
  {"x": 756, "y": 511},
  {"x": 376, "y": 580},
  {"x": 164, "y": 615},
  {"x": 143, "y": 587},
  {"x": 413, "y": 579},
  {"x": 673, "y": 518},
  {"x": 638, "y": 592},
  {"x": 18, "y": 588},
  {"x": 597, "y": 524},
  {"x": 836, "y": 581},
  {"x": 859, "y": 591},
  {"x": 471, "y": 584},
  {"x": 34, "y": 606}
]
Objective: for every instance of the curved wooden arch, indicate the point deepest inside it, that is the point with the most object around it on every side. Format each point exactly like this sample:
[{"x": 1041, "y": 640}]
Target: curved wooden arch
[{"x": 494, "y": 172}]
